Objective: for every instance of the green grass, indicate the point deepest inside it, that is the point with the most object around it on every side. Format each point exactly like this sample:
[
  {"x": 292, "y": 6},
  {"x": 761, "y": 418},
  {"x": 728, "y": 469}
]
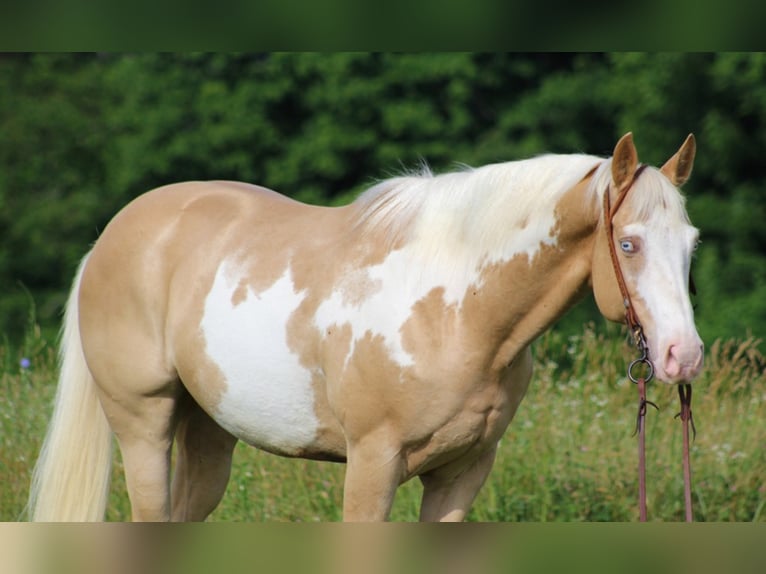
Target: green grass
[{"x": 568, "y": 455}]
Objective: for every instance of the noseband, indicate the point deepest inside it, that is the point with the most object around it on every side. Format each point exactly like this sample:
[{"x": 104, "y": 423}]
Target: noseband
[{"x": 636, "y": 330}]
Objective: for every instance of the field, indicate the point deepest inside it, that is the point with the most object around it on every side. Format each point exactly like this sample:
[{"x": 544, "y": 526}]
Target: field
[{"x": 568, "y": 456}]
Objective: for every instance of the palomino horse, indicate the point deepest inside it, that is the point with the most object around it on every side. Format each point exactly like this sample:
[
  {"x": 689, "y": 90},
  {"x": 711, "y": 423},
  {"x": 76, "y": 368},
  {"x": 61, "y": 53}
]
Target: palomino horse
[{"x": 392, "y": 333}]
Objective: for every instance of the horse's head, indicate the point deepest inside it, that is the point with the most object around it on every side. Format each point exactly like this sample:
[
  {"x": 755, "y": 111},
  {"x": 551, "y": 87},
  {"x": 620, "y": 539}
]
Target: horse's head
[{"x": 653, "y": 244}]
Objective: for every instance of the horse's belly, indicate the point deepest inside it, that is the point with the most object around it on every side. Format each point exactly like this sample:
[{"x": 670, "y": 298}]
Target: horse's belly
[
  {"x": 267, "y": 396},
  {"x": 271, "y": 407}
]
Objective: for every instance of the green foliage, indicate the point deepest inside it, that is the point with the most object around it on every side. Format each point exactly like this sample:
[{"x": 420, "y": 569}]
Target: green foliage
[{"x": 82, "y": 134}]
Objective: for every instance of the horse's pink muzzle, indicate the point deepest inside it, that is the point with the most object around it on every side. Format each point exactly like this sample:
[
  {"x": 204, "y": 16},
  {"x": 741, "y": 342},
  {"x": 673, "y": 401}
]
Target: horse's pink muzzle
[{"x": 681, "y": 360}]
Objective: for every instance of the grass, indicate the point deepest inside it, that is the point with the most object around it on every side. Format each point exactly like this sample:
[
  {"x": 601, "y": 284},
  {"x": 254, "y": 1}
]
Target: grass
[{"x": 567, "y": 456}]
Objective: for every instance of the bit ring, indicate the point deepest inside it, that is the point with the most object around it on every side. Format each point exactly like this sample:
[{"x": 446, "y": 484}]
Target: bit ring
[{"x": 648, "y": 364}]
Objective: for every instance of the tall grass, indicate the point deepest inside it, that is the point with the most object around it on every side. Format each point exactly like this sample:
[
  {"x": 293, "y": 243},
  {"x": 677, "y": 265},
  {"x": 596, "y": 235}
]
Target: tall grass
[{"x": 568, "y": 455}]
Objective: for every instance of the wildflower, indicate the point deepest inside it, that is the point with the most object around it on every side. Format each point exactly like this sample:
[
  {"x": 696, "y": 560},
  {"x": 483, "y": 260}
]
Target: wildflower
[{"x": 25, "y": 363}]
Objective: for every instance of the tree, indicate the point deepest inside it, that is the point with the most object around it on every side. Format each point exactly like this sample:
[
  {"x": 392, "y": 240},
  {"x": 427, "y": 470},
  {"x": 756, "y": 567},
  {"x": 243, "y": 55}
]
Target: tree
[{"x": 84, "y": 134}]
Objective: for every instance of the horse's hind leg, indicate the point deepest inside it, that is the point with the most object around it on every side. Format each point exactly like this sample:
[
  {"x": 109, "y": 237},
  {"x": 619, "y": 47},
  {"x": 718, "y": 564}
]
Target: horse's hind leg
[
  {"x": 203, "y": 464},
  {"x": 144, "y": 427}
]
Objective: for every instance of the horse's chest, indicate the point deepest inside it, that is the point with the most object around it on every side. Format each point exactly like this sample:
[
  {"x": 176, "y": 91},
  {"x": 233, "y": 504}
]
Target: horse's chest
[
  {"x": 470, "y": 431},
  {"x": 475, "y": 421},
  {"x": 267, "y": 397}
]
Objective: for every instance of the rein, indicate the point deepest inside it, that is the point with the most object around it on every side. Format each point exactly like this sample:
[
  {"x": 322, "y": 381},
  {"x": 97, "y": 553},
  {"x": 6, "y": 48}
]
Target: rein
[{"x": 636, "y": 330}]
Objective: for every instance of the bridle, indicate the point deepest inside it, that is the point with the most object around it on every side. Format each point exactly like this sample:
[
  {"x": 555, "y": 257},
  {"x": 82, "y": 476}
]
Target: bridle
[{"x": 637, "y": 332}]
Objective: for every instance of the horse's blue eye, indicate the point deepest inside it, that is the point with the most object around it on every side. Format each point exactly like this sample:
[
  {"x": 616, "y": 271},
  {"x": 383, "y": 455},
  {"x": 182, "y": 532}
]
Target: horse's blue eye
[{"x": 627, "y": 246}]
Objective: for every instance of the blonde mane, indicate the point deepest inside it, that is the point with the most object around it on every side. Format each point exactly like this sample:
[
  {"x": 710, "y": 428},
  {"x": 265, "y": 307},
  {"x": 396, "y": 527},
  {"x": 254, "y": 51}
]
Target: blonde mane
[{"x": 473, "y": 207}]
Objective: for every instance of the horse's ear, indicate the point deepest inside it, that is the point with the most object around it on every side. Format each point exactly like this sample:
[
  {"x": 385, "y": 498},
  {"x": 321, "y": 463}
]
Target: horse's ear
[
  {"x": 679, "y": 167},
  {"x": 624, "y": 162}
]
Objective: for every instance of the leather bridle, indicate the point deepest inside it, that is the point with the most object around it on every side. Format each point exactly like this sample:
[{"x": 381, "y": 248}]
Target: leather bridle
[{"x": 637, "y": 332}]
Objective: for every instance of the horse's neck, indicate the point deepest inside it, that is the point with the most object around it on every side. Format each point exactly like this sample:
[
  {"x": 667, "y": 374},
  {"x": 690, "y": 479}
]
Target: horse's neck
[
  {"x": 526, "y": 295},
  {"x": 503, "y": 275}
]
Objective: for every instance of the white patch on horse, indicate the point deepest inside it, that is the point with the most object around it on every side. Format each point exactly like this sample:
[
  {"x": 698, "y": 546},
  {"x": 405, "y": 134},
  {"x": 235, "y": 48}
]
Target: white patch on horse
[
  {"x": 396, "y": 284},
  {"x": 382, "y": 311},
  {"x": 269, "y": 399},
  {"x": 663, "y": 285}
]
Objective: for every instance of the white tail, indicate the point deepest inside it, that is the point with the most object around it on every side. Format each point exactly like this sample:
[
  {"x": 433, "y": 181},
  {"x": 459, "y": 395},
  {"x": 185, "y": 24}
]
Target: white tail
[{"x": 70, "y": 481}]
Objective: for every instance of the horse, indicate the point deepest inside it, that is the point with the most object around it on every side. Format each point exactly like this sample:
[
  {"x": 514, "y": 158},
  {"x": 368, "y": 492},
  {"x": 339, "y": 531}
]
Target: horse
[{"x": 392, "y": 333}]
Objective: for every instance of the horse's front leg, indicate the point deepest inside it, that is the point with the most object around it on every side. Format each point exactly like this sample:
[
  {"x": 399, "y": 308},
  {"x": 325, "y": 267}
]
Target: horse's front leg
[
  {"x": 374, "y": 470},
  {"x": 449, "y": 491},
  {"x": 448, "y": 496}
]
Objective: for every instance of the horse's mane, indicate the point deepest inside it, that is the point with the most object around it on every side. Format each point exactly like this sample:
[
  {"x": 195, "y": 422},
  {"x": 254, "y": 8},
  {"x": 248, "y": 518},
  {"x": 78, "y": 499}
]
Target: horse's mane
[{"x": 477, "y": 203}]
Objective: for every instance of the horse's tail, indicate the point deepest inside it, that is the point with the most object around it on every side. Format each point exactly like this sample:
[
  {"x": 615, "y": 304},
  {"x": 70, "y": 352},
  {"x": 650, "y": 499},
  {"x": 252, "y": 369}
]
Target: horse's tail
[{"x": 70, "y": 481}]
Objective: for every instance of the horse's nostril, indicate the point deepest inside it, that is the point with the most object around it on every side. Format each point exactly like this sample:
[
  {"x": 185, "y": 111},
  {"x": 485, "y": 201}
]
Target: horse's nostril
[
  {"x": 683, "y": 361},
  {"x": 672, "y": 365}
]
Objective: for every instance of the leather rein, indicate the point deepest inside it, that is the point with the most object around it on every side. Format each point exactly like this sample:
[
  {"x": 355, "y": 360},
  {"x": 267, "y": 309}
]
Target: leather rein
[{"x": 637, "y": 332}]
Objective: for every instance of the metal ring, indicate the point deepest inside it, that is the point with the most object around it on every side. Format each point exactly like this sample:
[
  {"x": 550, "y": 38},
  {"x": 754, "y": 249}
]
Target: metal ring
[{"x": 648, "y": 364}]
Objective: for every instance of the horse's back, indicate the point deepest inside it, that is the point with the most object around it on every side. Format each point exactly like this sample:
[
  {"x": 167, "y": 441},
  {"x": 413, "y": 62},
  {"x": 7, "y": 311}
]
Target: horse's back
[{"x": 176, "y": 233}]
